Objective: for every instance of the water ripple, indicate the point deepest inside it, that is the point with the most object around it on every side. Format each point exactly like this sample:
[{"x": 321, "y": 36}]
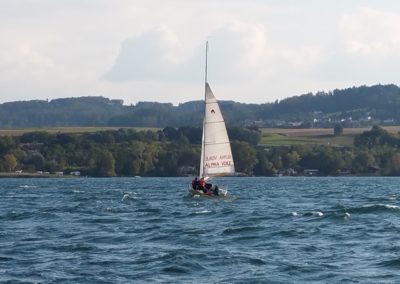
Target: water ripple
[{"x": 271, "y": 230}]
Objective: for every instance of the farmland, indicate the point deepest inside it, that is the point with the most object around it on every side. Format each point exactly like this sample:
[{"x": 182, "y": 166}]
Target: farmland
[
  {"x": 313, "y": 136},
  {"x": 270, "y": 136}
]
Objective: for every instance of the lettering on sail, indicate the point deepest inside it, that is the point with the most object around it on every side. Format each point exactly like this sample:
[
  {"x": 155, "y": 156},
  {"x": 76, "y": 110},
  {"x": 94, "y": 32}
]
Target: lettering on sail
[{"x": 216, "y": 161}]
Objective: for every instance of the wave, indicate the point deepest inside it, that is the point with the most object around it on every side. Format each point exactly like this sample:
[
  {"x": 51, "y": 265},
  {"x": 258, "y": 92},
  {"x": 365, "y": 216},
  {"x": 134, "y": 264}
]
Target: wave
[
  {"x": 347, "y": 212},
  {"x": 28, "y": 186},
  {"x": 390, "y": 263},
  {"x": 175, "y": 269},
  {"x": 308, "y": 214},
  {"x": 373, "y": 208},
  {"x": 238, "y": 230},
  {"x": 6, "y": 258},
  {"x": 314, "y": 213},
  {"x": 290, "y": 232},
  {"x": 14, "y": 216},
  {"x": 203, "y": 212},
  {"x": 128, "y": 197}
]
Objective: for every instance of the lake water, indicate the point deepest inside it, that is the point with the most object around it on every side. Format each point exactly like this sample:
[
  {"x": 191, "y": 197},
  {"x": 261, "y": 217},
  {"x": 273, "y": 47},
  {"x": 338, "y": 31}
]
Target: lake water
[{"x": 272, "y": 230}]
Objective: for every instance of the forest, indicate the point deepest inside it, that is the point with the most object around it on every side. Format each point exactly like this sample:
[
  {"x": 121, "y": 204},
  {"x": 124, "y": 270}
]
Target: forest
[
  {"x": 175, "y": 152},
  {"x": 364, "y": 104}
]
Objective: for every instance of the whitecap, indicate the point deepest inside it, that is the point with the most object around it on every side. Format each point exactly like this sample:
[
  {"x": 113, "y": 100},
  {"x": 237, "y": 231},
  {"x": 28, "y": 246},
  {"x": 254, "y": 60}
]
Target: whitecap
[
  {"x": 203, "y": 212},
  {"x": 391, "y": 206},
  {"x": 28, "y": 186},
  {"x": 295, "y": 214},
  {"x": 387, "y": 206},
  {"x": 317, "y": 213},
  {"x": 127, "y": 197}
]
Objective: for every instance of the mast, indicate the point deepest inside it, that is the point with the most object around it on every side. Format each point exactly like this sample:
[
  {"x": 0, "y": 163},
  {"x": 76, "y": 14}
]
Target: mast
[
  {"x": 204, "y": 117},
  {"x": 205, "y": 77}
]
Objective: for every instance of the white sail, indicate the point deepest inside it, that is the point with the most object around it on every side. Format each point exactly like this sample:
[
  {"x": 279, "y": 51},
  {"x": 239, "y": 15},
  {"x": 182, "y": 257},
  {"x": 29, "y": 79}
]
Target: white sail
[{"x": 216, "y": 154}]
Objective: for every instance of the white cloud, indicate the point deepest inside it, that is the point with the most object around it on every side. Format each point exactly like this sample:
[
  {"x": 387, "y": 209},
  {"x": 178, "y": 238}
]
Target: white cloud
[
  {"x": 152, "y": 55},
  {"x": 23, "y": 60},
  {"x": 366, "y": 52},
  {"x": 153, "y": 50},
  {"x": 371, "y": 32},
  {"x": 235, "y": 49}
]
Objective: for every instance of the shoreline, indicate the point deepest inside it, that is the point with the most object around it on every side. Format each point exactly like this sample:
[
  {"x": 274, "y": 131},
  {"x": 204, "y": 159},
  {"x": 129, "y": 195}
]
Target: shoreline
[{"x": 36, "y": 175}]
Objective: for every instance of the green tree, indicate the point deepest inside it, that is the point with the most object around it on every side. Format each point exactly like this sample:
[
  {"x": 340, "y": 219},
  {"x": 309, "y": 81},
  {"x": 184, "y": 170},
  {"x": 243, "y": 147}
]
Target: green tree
[
  {"x": 245, "y": 134},
  {"x": 245, "y": 157},
  {"x": 167, "y": 163},
  {"x": 338, "y": 130},
  {"x": 290, "y": 159},
  {"x": 395, "y": 162},
  {"x": 7, "y": 143},
  {"x": 376, "y": 137},
  {"x": 104, "y": 164},
  {"x": 329, "y": 160},
  {"x": 10, "y": 162},
  {"x": 263, "y": 167},
  {"x": 390, "y": 162},
  {"x": 276, "y": 159},
  {"x": 37, "y": 161},
  {"x": 362, "y": 161}
]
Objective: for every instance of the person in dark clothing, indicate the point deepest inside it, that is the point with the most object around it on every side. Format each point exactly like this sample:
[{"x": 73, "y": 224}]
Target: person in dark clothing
[
  {"x": 195, "y": 184},
  {"x": 216, "y": 190}
]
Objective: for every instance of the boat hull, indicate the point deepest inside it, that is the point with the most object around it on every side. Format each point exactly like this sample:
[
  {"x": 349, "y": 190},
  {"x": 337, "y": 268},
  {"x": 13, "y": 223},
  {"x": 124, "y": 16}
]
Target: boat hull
[{"x": 221, "y": 193}]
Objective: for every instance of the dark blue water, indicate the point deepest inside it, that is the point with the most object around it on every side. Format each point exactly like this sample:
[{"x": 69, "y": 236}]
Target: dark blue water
[{"x": 274, "y": 230}]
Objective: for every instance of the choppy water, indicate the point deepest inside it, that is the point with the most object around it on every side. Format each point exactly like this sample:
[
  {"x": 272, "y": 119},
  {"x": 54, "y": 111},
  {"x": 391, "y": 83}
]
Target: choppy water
[{"x": 275, "y": 230}]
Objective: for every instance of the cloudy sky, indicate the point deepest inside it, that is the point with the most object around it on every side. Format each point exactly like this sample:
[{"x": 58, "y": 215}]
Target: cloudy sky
[{"x": 153, "y": 50}]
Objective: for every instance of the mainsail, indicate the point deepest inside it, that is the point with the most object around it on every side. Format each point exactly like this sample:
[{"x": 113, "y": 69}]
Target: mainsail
[{"x": 216, "y": 155}]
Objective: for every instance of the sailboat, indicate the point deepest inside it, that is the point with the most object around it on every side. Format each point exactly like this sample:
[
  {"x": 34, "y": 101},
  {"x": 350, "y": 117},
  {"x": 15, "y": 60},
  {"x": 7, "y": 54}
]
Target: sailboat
[{"x": 216, "y": 154}]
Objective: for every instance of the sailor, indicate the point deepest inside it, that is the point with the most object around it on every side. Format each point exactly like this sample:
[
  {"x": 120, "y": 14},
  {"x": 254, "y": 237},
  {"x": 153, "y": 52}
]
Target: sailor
[
  {"x": 202, "y": 184},
  {"x": 216, "y": 190},
  {"x": 195, "y": 184}
]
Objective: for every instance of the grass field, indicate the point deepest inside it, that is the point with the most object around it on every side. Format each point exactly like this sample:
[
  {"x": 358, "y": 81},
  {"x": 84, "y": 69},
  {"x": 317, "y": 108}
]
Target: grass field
[
  {"x": 270, "y": 136},
  {"x": 313, "y": 136}
]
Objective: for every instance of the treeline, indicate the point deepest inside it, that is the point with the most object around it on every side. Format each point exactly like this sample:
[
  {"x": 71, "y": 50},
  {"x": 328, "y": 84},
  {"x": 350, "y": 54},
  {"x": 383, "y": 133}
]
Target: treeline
[
  {"x": 379, "y": 102},
  {"x": 123, "y": 152},
  {"x": 176, "y": 152}
]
